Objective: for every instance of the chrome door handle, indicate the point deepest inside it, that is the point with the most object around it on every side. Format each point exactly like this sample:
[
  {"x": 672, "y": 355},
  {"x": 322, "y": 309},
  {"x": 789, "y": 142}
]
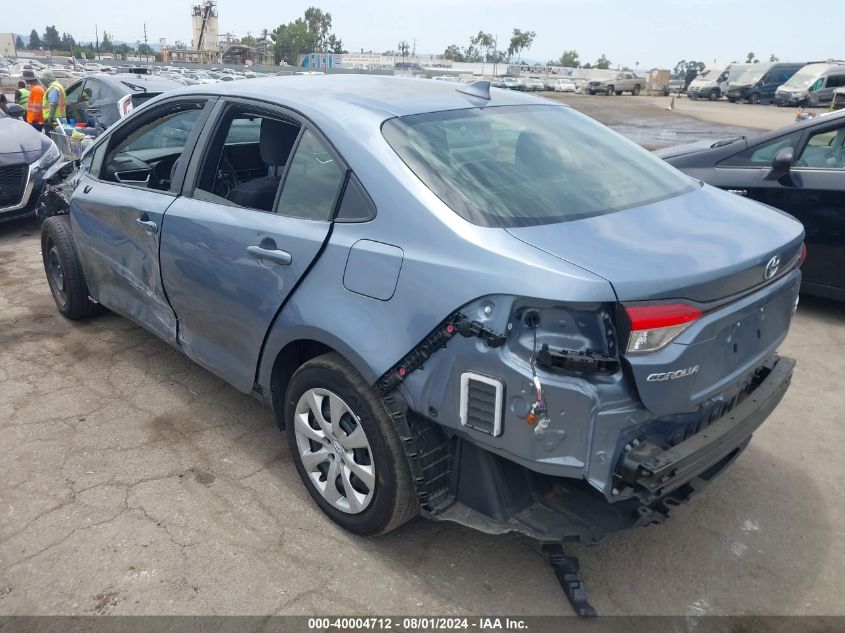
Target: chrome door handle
[
  {"x": 283, "y": 258},
  {"x": 738, "y": 192},
  {"x": 148, "y": 225}
]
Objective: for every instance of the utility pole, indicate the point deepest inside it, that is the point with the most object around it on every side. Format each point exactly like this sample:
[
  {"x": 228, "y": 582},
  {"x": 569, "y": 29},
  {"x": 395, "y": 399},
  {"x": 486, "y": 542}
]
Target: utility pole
[
  {"x": 146, "y": 46},
  {"x": 96, "y": 41}
]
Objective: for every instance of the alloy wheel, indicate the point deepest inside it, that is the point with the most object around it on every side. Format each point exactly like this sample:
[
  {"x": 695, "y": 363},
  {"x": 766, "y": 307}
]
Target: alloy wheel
[{"x": 334, "y": 450}]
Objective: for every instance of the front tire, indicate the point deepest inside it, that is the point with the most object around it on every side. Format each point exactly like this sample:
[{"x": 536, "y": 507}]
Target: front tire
[
  {"x": 346, "y": 448},
  {"x": 64, "y": 272},
  {"x": 714, "y": 95},
  {"x": 610, "y": 91},
  {"x": 754, "y": 99}
]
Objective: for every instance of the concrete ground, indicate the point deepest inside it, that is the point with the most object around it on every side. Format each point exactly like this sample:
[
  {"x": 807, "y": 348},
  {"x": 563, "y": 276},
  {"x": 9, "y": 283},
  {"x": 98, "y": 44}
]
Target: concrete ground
[{"x": 135, "y": 482}]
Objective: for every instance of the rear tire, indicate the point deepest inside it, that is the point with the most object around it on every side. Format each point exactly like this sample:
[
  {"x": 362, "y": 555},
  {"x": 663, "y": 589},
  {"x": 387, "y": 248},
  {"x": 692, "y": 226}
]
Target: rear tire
[
  {"x": 384, "y": 497},
  {"x": 64, "y": 272},
  {"x": 636, "y": 91}
]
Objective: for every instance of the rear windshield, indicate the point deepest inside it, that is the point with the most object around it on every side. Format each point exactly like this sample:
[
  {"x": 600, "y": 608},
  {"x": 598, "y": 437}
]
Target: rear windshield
[{"x": 511, "y": 166}]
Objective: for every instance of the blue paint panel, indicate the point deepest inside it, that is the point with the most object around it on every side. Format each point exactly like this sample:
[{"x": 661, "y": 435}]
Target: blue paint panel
[{"x": 372, "y": 269}]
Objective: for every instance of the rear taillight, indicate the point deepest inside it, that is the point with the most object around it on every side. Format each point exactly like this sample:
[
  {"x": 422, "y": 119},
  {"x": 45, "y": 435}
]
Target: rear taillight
[
  {"x": 803, "y": 254},
  {"x": 655, "y": 326}
]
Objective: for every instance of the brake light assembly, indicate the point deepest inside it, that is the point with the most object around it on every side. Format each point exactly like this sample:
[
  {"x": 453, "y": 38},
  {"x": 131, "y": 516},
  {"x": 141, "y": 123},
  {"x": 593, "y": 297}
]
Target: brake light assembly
[{"x": 653, "y": 327}]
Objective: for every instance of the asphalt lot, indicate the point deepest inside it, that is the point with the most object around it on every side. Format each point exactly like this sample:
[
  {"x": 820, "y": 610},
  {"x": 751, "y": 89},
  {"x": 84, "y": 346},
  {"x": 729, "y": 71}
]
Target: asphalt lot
[{"x": 136, "y": 482}]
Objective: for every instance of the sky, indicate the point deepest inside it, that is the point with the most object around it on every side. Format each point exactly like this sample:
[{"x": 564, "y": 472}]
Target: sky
[{"x": 655, "y": 33}]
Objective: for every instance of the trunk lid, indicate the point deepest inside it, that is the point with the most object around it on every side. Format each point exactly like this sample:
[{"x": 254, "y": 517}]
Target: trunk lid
[{"x": 702, "y": 247}]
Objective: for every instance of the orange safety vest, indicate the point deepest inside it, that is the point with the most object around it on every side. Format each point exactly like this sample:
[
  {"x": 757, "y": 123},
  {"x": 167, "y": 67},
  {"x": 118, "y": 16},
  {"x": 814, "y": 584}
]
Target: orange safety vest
[{"x": 35, "y": 108}]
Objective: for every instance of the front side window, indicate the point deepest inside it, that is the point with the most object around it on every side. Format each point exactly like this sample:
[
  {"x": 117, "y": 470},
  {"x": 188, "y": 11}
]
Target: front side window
[
  {"x": 511, "y": 166},
  {"x": 145, "y": 156},
  {"x": 761, "y": 155}
]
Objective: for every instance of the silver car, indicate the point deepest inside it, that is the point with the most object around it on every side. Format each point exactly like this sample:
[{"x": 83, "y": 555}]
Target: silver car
[{"x": 476, "y": 304}]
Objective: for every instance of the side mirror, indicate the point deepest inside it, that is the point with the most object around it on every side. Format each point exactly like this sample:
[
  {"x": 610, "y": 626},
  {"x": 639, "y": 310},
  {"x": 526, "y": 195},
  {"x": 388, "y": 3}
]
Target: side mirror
[
  {"x": 15, "y": 110},
  {"x": 782, "y": 162}
]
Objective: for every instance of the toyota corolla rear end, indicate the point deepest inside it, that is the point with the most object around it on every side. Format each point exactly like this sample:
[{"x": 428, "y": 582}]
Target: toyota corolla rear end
[{"x": 575, "y": 419}]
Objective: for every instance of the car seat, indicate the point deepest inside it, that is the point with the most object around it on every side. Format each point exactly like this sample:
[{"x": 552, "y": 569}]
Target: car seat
[{"x": 275, "y": 144}]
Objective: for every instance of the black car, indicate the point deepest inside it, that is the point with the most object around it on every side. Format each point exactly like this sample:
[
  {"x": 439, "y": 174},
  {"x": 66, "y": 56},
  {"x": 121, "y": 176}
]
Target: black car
[
  {"x": 105, "y": 99},
  {"x": 27, "y": 159},
  {"x": 799, "y": 169}
]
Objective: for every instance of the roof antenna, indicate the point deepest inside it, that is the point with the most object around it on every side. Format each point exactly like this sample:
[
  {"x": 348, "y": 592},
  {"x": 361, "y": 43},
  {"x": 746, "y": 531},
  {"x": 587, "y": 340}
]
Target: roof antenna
[{"x": 479, "y": 89}]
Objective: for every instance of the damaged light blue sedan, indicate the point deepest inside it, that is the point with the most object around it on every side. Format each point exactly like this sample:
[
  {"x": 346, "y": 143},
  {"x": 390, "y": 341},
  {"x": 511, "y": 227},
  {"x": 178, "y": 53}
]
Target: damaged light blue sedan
[{"x": 467, "y": 302}]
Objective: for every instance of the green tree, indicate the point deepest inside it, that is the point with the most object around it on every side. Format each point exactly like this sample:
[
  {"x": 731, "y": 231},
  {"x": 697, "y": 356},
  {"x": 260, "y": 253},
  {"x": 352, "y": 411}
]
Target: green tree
[
  {"x": 334, "y": 44},
  {"x": 34, "y": 40},
  {"x": 51, "y": 40},
  {"x": 320, "y": 24},
  {"x": 520, "y": 41},
  {"x": 772, "y": 58},
  {"x": 248, "y": 40},
  {"x": 403, "y": 47},
  {"x": 569, "y": 59},
  {"x": 68, "y": 43},
  {"x": 587, "y": 66},
  {"x": 145, "y": 49},
  {"x": 19, "y": 45},
  {"x": 105, "y": 44},
  {"x": 603, "y": 62},
  {"x": 751, "y": 59},
  {"x": 683, "y": 67},
  {"x": 289, "y": 40},
  {"x": 484, "y": 43},
  {"x": 310, "y": 33}
]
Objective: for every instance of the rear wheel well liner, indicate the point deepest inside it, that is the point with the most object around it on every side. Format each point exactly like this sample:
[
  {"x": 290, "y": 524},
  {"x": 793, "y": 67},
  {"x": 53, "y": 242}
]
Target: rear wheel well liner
[{"x": 290, "y": 358}]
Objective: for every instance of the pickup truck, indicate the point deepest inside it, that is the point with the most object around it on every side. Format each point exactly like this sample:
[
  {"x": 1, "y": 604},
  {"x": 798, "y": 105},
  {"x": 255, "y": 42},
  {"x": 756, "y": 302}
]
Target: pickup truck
[{"x": 623, "y": 82}]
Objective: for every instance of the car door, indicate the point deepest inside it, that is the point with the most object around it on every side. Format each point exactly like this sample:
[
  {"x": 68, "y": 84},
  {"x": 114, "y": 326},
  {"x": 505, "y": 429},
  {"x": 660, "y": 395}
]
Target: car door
[
  {"x": 814, "y": 192},
  {"x": 117, "y": 209},
  {"x": 234, "y": 248}
]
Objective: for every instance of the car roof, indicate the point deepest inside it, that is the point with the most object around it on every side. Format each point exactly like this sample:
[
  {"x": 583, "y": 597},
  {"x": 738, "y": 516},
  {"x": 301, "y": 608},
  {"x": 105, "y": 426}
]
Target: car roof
[
  {"x": 380, "y": 96},
  {"x": 153, "y": 83}
]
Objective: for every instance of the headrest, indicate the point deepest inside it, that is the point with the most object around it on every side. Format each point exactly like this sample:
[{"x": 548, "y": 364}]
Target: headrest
[{"x": 276, "y": 141}]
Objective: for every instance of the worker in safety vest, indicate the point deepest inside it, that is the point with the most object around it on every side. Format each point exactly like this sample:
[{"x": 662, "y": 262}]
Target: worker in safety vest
[
  {"x": 22, "y": 95},
  {"x": 54, "y": 103},
  {"x": 35, "y": 108}
]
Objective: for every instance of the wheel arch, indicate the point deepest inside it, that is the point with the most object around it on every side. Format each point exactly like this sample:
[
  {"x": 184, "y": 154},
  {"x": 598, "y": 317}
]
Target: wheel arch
[{"x": 283, "y": 356}]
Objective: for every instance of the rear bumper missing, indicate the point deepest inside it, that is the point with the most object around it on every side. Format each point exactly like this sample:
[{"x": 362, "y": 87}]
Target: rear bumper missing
[
  {"x": 495, "y": 495},
  {"x": 654, "y": 472}
]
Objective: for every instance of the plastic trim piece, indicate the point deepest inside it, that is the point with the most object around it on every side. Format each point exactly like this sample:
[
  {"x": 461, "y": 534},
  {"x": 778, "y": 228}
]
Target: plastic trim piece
[{"x": 466, "y": 377}]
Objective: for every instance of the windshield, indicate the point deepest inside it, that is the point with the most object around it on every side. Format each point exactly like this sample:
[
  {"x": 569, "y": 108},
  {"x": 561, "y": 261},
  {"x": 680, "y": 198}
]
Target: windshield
[
  {"x": 804, "y": 78},
  {"x": 514, "y": 166},
  {"x": 751, "y": 76},
  {"x": 710, "y": 73}
]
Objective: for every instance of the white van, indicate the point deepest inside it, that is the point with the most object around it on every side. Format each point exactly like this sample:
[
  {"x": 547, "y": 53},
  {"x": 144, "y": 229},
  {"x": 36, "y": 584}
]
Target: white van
[
  {"x": 813, "y": 85},
  {"x": 713, "y": 82}
]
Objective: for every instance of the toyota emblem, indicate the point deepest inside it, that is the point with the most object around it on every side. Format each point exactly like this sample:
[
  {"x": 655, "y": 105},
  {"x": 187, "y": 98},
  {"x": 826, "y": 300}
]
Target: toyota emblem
[{"x": 772, "y": 267}]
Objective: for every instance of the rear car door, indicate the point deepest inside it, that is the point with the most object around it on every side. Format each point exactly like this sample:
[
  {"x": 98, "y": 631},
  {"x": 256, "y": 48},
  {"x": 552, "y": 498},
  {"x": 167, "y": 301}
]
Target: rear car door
[
  {"x": 73, "y": 96},
  {"x": 235, "y": 245},
  {"x": 117, "y": 210},
  {"x": 814, "y": 192}
]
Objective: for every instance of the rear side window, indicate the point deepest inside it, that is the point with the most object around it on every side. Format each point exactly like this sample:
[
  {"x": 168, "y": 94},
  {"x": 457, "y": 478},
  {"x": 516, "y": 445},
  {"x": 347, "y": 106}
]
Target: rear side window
[
  {"x": 312, "y": 182},
  {"x": 835, "y": 81},
  {"x": 514, "y": 166}
]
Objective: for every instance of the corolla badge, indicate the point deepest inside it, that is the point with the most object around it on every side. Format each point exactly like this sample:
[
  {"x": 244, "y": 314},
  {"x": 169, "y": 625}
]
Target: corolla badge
[
  {"x": 673, "y": 375},
  {"x": 772, "y": 267}
]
